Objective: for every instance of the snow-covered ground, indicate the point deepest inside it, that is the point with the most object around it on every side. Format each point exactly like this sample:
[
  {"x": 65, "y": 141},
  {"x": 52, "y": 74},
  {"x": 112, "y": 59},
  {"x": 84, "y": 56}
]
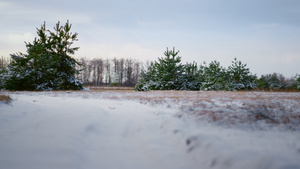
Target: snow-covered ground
[{"x": 160, "y": 129}]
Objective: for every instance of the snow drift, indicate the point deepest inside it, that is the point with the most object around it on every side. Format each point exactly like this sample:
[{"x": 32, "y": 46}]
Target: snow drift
[{"x": 162, "y": 129}]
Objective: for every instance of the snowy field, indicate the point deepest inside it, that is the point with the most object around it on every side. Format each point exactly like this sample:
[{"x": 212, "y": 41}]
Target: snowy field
[{"x": 150, "y": 130}]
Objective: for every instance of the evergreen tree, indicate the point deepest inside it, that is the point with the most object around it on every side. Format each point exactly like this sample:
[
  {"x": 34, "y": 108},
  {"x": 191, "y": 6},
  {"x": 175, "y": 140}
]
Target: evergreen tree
[
  {"x": 48, "y": 63},
  {"x": 240, "y": 77},
  {"x": 169, "y": 74},
  {"x": 214, "y": 76},
  {"x": 297, "y": 77},
  {"x": 272, "y": 81},
  {"x": 191, "y": 77},
  {"x": 149, "y": 80},
  {"x": 164, "y": 74},
  {"x": 169, "y": 68}
]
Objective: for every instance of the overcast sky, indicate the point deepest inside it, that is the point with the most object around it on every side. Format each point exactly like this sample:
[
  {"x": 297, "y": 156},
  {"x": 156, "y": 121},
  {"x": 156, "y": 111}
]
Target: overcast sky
[{"x": 265, "y": 34}]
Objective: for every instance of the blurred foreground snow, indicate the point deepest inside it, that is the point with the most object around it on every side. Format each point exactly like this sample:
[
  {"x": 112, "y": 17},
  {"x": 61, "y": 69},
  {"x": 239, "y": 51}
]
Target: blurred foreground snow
[{"x": 112, "y": 130}]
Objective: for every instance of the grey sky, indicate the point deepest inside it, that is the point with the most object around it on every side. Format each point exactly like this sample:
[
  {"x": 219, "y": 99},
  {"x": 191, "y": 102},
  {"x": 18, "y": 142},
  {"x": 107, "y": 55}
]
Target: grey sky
[{"x": 262, "y": 33}]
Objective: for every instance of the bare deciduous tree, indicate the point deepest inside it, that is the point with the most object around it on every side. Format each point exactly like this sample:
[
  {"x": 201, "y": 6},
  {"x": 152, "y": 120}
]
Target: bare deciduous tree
[
  {"x": 124, "y": 72},
  {"x": 4, "y": 62}
]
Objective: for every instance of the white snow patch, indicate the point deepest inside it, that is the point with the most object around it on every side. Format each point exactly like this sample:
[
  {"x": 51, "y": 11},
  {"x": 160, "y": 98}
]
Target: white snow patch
[{"x": 63, "y": 130}]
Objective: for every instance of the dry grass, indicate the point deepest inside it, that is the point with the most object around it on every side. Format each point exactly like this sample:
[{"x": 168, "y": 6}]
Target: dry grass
[
  {"x": 118, "y": 88},
  {"x": 5, "y": 98},
  {"x": 224, "y": 107},
  {"x": 221, "y": 106}
]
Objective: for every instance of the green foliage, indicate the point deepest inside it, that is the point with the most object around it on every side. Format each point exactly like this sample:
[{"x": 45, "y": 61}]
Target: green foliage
[
  {"x": 278, "y": 81},
  {"x": 271, "y": 81},
  {"x": 114, "y": 84},
  {"x": 162, "y": 75},
  {"x": 190, "y": 79},
  {"x": 297, "y": 83},
  {"x": 293, "y": 83},
  {"x": 48, "y": 64},
  {"x": 214, "y": 76},
  {"x": 239, "y": 77},
  {"x": 169, "y": 74},
  {"x": 297, "y": 77},
  {"x": 168, "y": 69},
  {"x": 235, "y": 77}
]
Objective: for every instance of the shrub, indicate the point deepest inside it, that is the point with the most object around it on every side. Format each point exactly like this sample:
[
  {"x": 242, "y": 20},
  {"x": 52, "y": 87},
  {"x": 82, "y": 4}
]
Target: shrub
[
  {"x": 272, "y": 81},
  {"x": 298, "y": 80},
  {"x": 114, "y": 84}
]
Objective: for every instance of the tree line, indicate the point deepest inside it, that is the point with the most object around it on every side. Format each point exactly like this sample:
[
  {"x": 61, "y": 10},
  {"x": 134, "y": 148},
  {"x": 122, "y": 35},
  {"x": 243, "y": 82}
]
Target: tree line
[
  {"x": 168, "y": 73},
  {"x": 113, "y": 72},
  {"x": 49, "y": 64}
]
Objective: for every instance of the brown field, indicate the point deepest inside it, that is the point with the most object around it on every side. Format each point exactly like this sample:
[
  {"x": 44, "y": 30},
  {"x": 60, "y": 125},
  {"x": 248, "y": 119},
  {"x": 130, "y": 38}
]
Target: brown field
[
  {"x": 129, "y": 93},
  {"x": 109, "y": 88},
  {"x": 225, "y": 107},
  {"x": 4, "y": 98},
  {"x": 222, "y": 107}
]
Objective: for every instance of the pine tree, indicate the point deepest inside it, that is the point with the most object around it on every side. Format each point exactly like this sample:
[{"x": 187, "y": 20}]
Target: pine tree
[
  {"x": 60, "y": 47},
  {"x": 169, "y": 74},
  {"x": 214, "y": 76},
  {"x": 240, "y": 77},
  {"x": 163, "y": 74},
  {"x": 271, "y": 81},
  {"x": 169, "y": 68},
  {"x": 191, "y": 77},
  {"x": 48, "y": 63},
  {"x": 297, "y": 77}
]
